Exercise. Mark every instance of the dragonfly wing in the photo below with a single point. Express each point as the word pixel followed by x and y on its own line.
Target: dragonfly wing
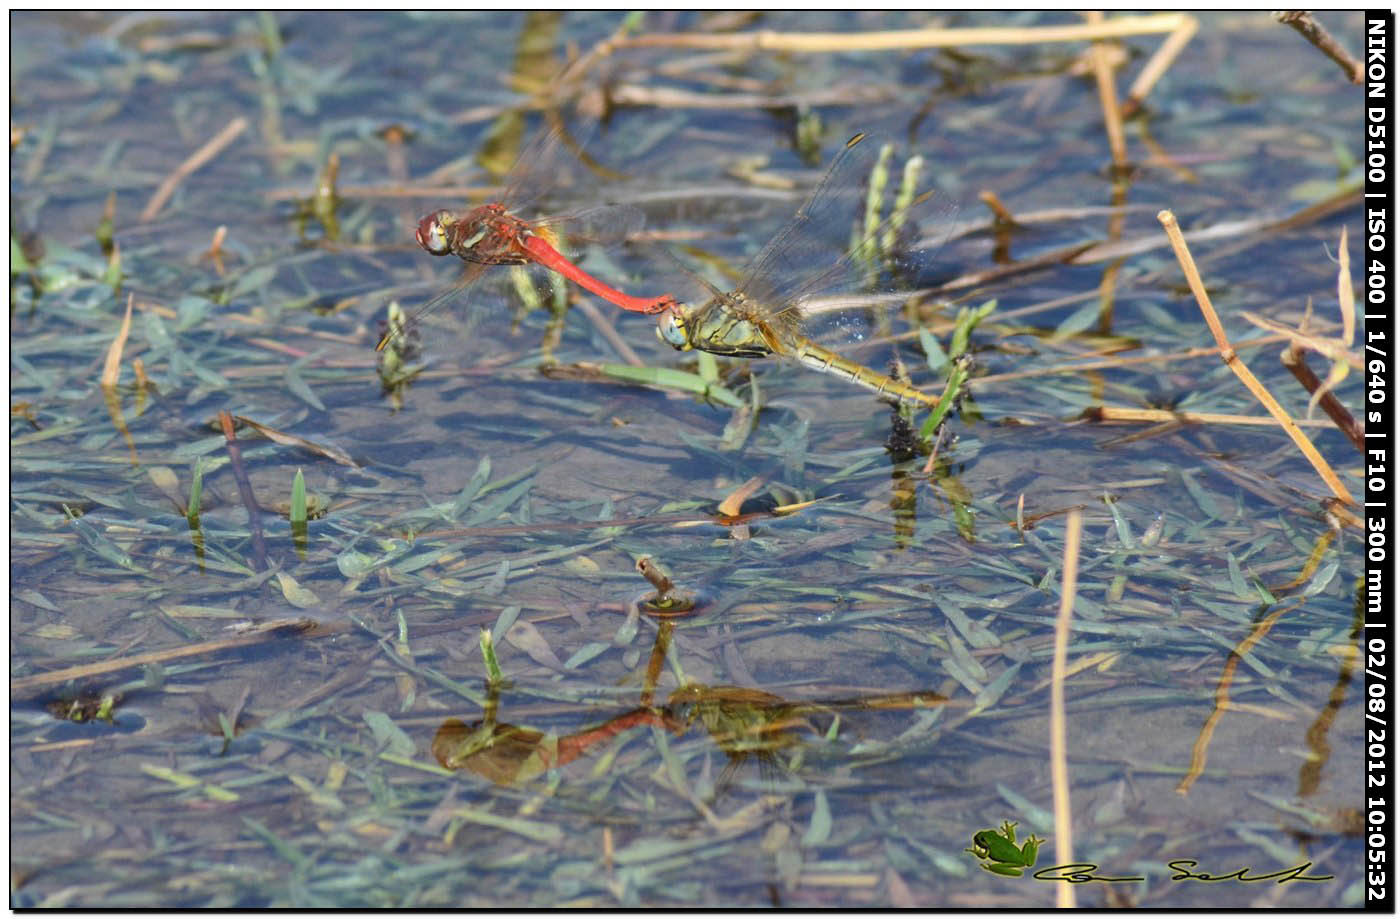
pixel 455 295
pixel 541 163
pixel 821 227
pixel 605 224
pixel 878 269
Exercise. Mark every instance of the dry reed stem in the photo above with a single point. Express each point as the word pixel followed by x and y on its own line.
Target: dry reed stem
pixel 1232 360
pixel 1157 65
pixel 902 39
pixel 1059 767
pixel 670 98
pixel 1346 294
pixel 112 369
pixel 994 204
pixel 1312 30
pixel 729 507
pixel 1108 101
pixel 204 154
pixel 1112 413
pixel 1331 348
pixel 282 628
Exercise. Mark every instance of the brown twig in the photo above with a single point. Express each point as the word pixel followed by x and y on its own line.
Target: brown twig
pixel 1232 360
pixel 204 154
pixel 1000 212
pixel 1312 30
pixel 1295 359
pixel 245 489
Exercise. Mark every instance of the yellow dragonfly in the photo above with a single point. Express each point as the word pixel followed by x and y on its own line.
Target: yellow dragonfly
pixel 765 314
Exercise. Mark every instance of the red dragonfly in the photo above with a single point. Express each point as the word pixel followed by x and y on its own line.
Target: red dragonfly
pixel 492 234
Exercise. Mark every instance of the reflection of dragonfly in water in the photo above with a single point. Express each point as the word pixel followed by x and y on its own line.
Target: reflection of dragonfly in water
pixel 492 233
pixel 746 724
pixel 764 314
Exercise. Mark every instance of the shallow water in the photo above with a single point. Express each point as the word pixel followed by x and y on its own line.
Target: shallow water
pixel 865 681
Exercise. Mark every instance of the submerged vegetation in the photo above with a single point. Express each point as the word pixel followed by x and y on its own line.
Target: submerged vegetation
pixel 299 623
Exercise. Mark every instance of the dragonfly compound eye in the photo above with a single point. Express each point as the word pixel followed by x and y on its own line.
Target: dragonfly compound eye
pixel 432 234
pixel 671 330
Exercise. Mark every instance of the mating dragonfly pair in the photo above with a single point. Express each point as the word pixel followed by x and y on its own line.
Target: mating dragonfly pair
pixel 765 315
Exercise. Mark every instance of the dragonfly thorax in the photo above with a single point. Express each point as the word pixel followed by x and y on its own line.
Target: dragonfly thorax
pixel 489 235
pixel 727 326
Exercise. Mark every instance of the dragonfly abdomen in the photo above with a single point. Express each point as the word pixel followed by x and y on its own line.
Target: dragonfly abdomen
pixel 824 360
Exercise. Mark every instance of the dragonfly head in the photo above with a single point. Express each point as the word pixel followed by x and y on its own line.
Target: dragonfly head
pixel 432 232
pixel 672 329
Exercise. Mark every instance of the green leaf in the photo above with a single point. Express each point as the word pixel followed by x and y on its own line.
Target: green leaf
pixel 585 654
pixel 933 352
pixel 387 735
pixel 196 489
pixel 670 378
pixel 819 829
pixel 298 512
pixel 488 654
pixel 503 622
pixel 472 488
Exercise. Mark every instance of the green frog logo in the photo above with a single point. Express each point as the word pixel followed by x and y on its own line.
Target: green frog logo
pixel 999 853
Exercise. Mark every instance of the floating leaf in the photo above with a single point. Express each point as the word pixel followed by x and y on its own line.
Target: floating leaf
pixel 36 598
pixel 994 690
pixel 388 736
pixel 819 829
pixel 585 654
pixel 546 833
pixel 504 621
pixel 496 584
pixel 296 595
pixel 354 564
pixel 472 488
pixel 1039 818
pixel 528 639
pixel 56 630
pixel 670 378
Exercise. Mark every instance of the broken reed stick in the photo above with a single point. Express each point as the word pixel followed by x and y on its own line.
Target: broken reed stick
pixel 1059 766
pixel 204 154
pixel 1108 100
pixel 1296 360
pixel 1139 415
pixel 904 39
pixel 1232 360
pixel 112 368
pixel 1312 30
pixel 268 631
pixel 1157 65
